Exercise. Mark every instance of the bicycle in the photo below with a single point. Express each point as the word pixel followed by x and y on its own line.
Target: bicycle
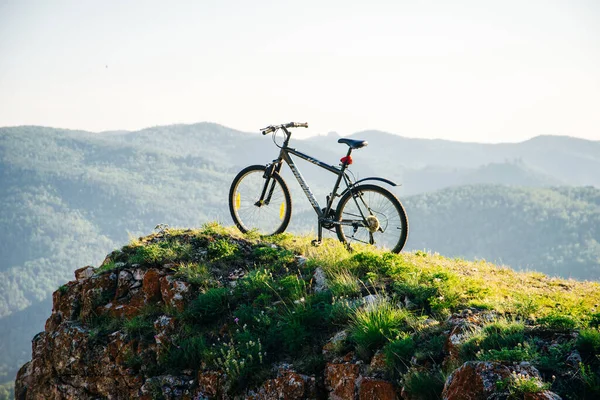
pixel 259 199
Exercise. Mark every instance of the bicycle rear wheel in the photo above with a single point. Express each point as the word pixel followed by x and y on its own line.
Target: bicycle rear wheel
pixel 372 215
pixel 269 216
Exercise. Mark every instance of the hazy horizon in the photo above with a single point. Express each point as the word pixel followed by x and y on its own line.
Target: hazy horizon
pixel 296 131
pixel 467 71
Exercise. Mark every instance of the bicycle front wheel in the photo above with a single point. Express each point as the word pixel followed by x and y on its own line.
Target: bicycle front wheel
pixel 372 215
pixel 268 215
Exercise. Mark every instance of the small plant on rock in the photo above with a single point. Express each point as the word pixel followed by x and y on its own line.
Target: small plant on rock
pixel 161 253
pixel 590 379
pixel 197 274
pixel 208 306
pixel 424 384
pixel 222 249
pixel 238 358
pixel 108 266
pixel 521 352
pixel 559 322
pixel 518 385
pixel 399 352
pixel 140 327
pixel 588 342
pixel 187 352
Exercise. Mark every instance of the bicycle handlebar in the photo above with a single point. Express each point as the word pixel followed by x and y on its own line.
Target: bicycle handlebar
pixel 273 128
pixel 297 125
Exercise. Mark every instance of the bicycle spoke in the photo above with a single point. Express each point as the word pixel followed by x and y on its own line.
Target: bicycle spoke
pixel 372 216
pixel 266 217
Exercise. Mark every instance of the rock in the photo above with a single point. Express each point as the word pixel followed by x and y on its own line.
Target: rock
pixel 477 379
pixel 151 286
pixel 66 305
pixel 332 348
pixel 370 299
pixel 209 384
pixel 543 395
pixel 320 280
pixel 288 385
pixel 463 323
pixel 174 292
pixel 371 388
pixel 66 364
pixel 378 366
pixel 138 274
pixel 574 359
pixel 301 261
pixel 96 292
pixel 124 283
pixel 340 380
pixel 409 304
pixel 84 273
pixel 171 387
pixel 165 328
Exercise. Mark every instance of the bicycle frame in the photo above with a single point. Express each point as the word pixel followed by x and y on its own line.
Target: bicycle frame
pixel 284 155
pixel 323 214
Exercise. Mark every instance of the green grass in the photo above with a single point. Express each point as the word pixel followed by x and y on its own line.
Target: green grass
pixel 375 324
pixel 195 273
pixel 108 266
pixel 424 384
pixel 520 352
pixel 222 249
pixel 344 283
pixel 141 326
pixel 588 342
pixel 155 254
pixel 590 379
pixel 518 385
pixel 208 306
pixel 186 353
pixel 399 352
pixel 272 302
pixel 559 322
pixel 496 339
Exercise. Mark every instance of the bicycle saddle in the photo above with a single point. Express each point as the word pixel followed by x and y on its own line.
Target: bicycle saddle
pixel 354 144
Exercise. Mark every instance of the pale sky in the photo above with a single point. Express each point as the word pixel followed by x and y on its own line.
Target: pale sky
pixel 485 71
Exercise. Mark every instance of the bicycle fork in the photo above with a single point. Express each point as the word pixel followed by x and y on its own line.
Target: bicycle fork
pixel 274 167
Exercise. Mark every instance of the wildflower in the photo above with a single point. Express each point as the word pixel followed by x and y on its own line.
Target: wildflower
pixel 236 320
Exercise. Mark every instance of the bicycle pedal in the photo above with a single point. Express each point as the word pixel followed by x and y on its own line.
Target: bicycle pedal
pixel 316 243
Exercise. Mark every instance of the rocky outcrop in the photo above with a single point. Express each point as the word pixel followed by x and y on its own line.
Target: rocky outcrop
pixel 113 329
pixel 478 380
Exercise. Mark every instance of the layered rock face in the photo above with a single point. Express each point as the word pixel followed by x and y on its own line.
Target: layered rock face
pixel 123 331
pixel 69 361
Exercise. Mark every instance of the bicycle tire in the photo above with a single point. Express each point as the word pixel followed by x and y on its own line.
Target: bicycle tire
pixel 267 219
pixel 385 207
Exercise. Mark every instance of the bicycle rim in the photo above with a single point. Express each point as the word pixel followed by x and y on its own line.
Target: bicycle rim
pixel 265 218
pixel 384 212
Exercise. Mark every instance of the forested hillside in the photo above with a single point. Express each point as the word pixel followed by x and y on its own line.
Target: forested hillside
pixel 554 230
pixel 558 160
pixel 69 197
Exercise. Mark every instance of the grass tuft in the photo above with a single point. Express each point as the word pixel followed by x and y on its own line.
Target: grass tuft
pixel 377 323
